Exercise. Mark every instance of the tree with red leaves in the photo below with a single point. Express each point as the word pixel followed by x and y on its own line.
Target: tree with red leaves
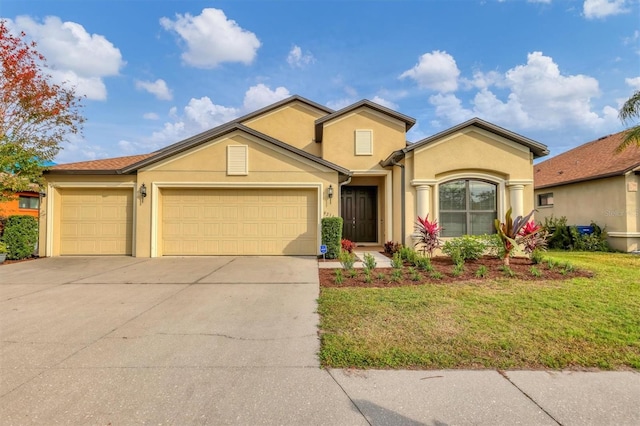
pixel 37 115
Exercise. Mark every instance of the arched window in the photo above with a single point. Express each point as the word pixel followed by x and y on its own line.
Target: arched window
pixel 467 207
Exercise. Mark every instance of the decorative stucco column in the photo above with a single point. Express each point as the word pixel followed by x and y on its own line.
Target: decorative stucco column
pixel 423 196
pixel 516 197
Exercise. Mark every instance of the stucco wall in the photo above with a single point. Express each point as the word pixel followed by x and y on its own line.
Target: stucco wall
pixel 292 124
pixel 608 202
pixel 338 142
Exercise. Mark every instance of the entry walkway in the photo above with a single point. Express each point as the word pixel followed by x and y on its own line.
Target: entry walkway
pixel 382 261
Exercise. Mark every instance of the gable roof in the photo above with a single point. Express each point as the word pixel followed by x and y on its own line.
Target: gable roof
pixel 409 121
pixel 593 160
pixel 251 115
pixel 131 164
pixel 538 149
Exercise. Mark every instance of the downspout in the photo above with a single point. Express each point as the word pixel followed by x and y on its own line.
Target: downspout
pixel 402 198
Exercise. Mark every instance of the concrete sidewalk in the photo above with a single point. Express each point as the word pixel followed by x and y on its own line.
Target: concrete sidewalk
pixel 227 340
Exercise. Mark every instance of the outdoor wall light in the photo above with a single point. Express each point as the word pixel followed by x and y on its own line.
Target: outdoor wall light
pixel 42 194
pixel 330 191
pixel 143 190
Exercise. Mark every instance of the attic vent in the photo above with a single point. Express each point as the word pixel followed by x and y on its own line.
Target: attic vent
pixel 364 142
pixel 237 160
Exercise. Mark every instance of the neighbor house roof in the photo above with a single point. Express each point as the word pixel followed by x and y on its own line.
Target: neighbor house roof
pixel 408 121
pixel 106 165
pixel 594 160
pixel 125 165
pixel 538 149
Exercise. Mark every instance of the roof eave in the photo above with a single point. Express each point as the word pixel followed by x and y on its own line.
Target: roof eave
pixel 83 172
pixel 409 121
pixel 583 179
pixel 537 149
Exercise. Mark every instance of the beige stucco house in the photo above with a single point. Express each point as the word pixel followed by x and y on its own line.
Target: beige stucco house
pixel 261 184
pixel 593 183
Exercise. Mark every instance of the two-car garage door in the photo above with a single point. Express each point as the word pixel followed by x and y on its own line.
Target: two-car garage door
pixel 226 221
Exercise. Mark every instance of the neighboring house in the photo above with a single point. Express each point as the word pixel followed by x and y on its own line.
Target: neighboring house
pixel 593 183
pixel 261 184
pixel 24 203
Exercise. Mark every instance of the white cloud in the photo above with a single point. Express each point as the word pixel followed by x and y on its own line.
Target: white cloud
pixel 212 39
pixel 203 114
pixel 483 80
pixel 539 97
pixel 384 102
pixel 338 104
pixel 436 71
pixel 633 82
pixel 297 59
pixel 260 96
pixel 449 106
pixel 150 116
pixel 157 88
pixel 74 55
pixel 594 9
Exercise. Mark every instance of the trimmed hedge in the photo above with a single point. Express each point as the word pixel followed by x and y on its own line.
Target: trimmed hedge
pixel 332 235
pixel 21 235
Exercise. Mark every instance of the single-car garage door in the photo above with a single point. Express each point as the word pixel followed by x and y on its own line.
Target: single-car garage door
pixel 239 221
pixel 96 221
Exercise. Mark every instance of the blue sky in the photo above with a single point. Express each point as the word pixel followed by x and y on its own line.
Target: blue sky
pixel 155 72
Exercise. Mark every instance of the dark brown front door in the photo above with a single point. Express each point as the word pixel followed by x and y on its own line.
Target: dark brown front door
pixel 359 212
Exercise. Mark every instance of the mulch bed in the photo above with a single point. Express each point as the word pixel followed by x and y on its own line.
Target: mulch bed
pixel 382 277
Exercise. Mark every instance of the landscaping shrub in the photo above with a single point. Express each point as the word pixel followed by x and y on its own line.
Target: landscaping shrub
pixel 331 235
pixel 467 247
pixel 566 237
pixel 347 245
pixel 347 259
pixel 391 247
pixel 369 262
pixel 21 235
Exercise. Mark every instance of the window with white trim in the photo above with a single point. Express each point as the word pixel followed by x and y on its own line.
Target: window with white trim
pixel 467 207
pixel 237 160
pixel 364 142
pixel 545 199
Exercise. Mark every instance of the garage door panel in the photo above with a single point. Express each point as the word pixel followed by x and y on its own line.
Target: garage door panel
pixel 239 221
pixel 96 221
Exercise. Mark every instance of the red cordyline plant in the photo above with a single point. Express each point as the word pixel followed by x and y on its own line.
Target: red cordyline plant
pixel 532 237
pixel 427 234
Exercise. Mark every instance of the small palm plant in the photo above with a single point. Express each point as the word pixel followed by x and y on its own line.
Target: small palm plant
pixel 428 235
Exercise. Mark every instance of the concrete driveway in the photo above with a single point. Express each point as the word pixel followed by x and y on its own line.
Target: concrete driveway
pixel 226 340
pixel 119 340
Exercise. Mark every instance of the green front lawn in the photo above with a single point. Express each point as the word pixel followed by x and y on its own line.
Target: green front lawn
pixel 509 324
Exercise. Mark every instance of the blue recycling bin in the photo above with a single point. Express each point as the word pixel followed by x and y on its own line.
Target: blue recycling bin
pixel 585 230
